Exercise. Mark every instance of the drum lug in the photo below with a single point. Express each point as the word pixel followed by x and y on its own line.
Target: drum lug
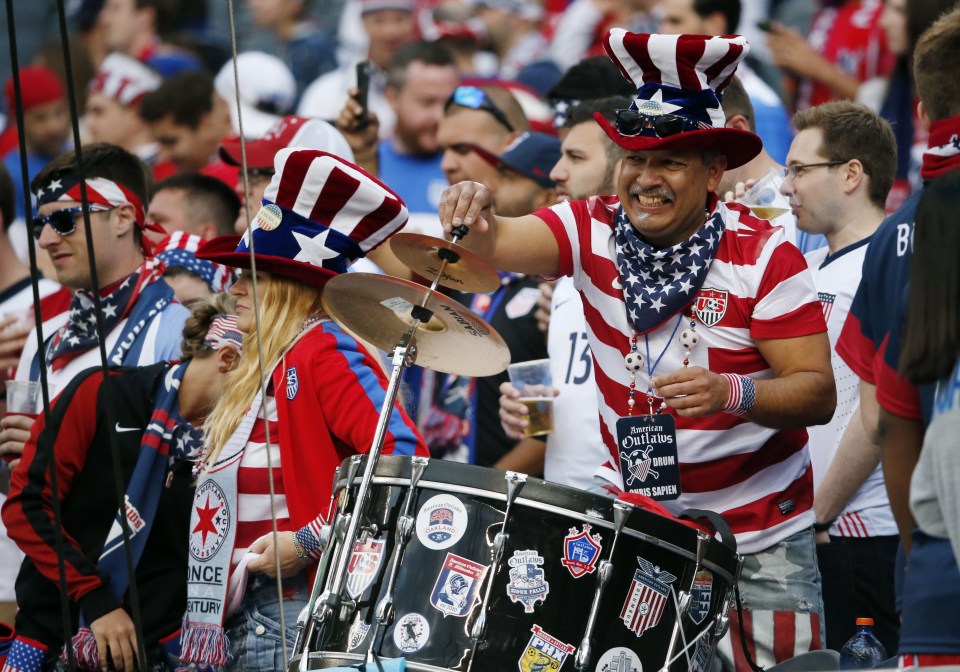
pixel 683 603
pixel 582 659
pixel 347 607
pixel 723 623
pixel 479 627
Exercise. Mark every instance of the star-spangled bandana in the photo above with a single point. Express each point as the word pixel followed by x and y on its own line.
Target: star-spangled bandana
pixel 79 334
pixel 658 284
pixel 943 153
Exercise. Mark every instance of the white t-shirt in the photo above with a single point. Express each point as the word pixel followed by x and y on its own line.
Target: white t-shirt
pixel 837 277
pixel 574 449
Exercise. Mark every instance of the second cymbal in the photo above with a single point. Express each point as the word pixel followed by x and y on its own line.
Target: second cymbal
pixel 468 272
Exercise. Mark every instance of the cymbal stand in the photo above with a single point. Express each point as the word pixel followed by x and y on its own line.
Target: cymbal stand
pixel 334 598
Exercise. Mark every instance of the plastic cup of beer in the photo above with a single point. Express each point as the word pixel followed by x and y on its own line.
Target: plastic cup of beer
pixel 762 197
pixel 532 379
pixel 24 397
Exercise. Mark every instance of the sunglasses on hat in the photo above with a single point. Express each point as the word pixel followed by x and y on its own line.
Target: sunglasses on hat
pixel 64 222
pixel 631 122
pixel 477 99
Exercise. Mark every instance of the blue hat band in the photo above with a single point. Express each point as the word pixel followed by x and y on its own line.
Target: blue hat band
pixel 654 99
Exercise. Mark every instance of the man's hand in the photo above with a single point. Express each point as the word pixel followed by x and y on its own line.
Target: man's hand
pixel 544 307
pixel 514 416
pixel 739 189
pixel 790 50
pixel 466 203
pixel 362 137
pixel 115 631
pixel 14 432
pixel 693 391
pixel 290 563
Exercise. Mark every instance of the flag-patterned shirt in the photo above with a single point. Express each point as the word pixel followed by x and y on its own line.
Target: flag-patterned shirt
pixel 759 478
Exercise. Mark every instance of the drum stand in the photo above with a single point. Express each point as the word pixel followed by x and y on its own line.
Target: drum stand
pixel 334 602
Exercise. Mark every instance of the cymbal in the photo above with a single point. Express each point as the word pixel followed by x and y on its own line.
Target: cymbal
pixel 421 254
pixel 377 308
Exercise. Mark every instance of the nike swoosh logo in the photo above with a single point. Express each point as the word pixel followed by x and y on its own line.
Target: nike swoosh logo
pixel 127 429
pixel 565 301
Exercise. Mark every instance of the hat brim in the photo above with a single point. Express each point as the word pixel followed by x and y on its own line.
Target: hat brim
pixel 260 153
pixel 740 147
pixel 223 250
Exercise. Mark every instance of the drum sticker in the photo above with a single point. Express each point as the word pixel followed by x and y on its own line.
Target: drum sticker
pixel 411 633
pixel 364 564
pixel 458 586
pixel 581 550
pixel 543 652
pixel 700 595
pixel 358 633
pixel 527 583
pixel 701 655
pixel 441 522
pixel 711 305
pixel 648 455
pixel 647 597
pixel 619 659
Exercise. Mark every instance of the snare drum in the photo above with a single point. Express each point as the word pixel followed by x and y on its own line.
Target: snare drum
pixel 665 590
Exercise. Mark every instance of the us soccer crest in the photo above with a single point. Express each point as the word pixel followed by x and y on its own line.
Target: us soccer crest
pixel 647 597
pixel 457 586
pixel 711 305
pixel 528 584
pixel 293 383
pixel 581 550
pixel 543 652
pixel 700 595
pixel 364 563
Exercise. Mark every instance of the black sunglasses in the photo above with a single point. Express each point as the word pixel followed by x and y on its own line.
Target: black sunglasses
pixel 631 122
pixel 64 222
pixel 477 99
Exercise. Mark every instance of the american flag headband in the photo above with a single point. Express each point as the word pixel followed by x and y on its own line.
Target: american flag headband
pixel 224 332
pixel 100 191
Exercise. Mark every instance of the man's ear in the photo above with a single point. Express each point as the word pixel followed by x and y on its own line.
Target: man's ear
pixel 739 122
pixel 227 359
pixel 125 221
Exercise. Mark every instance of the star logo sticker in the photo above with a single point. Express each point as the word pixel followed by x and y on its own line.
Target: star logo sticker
pixel 314 250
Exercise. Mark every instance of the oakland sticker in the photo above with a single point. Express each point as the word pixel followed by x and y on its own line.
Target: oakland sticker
pixel 441 522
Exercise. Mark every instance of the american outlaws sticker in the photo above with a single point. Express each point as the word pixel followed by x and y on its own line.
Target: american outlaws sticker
pixel 647 597
pixel 457 586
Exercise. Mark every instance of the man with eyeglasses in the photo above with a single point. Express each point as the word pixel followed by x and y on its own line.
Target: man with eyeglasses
pixel 840 168
pixel 704 325
pixel 142 319
pixel 484 116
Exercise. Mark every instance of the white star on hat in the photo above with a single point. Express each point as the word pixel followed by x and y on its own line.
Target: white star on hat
pixel 314 250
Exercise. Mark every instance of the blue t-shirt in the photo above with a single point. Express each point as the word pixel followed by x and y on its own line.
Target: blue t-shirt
pixel 418 180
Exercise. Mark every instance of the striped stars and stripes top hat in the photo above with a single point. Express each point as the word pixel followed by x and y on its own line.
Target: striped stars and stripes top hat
pixel 320 214
pixel 680 81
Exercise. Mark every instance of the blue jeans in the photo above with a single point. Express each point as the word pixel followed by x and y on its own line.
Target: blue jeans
pixel 254 631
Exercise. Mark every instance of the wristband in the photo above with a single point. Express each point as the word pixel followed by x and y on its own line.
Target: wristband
pixel 823 527
pixel 309 542
pixel 743 394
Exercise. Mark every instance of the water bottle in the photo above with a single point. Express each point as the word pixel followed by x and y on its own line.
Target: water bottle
pixel 863 651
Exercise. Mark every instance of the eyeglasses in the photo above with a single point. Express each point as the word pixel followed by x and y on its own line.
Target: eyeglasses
pixel 64 222
pixel 631 122
pixel 795 170
pixel 477 99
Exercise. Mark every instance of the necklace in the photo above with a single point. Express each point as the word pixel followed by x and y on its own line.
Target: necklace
pixel 633 360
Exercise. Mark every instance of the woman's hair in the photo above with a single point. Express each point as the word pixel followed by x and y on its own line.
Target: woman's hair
pixel 285 306
pixel 932 332
pixel 198 324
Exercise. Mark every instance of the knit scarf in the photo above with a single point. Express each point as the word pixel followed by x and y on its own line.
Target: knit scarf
pixel 135 298
pixel 659 283
pixel 943 153
pixel 168 438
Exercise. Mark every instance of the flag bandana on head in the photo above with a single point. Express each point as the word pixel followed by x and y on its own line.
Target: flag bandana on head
pixel 658 284
pixel 102 192
pixel 180 249
pixel 224 332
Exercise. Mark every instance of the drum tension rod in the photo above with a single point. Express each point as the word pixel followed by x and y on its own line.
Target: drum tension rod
pixel 621 512
pixel 384 612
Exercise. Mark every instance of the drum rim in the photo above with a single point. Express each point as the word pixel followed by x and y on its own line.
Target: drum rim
pixel 360 657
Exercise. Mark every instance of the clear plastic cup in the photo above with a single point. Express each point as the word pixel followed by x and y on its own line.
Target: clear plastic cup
pixel 533 380
pixel 762 198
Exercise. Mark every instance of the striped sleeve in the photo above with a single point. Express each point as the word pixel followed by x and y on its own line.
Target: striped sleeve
pixel 786 302
pixel 28 512
pixel 353 393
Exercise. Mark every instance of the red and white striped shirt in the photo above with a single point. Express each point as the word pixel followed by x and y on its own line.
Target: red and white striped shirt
pixel 758 478
pixel 253 486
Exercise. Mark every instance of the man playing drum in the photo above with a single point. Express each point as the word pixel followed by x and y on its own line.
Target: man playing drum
pixel 708 340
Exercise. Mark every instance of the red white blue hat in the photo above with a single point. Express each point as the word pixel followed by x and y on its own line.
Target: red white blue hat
pixel 680 81
pixel 320 214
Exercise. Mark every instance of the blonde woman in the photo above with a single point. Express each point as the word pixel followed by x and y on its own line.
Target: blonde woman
pixel 157 413
pixel 323 398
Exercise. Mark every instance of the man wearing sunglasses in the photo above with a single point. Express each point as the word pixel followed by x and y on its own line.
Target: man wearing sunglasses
pixel 141 317
pixel 704 325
